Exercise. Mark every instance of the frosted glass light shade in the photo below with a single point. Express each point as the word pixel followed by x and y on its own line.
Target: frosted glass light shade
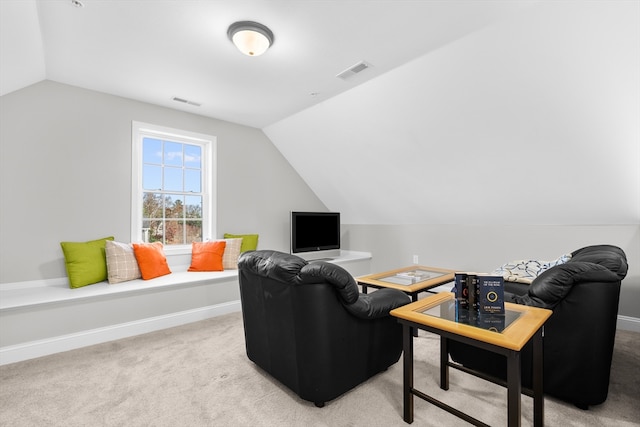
pixel 251 38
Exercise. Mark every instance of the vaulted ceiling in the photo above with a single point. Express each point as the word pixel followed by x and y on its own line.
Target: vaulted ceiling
pixel 531 106
pixel 154 51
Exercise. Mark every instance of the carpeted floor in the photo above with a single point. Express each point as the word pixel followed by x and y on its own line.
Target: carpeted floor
pixel 199 375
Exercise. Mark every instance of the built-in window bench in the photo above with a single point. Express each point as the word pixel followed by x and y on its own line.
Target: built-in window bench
pixel 30 294
pixel 44 317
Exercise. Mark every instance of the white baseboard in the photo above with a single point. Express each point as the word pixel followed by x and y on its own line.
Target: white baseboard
pixel 627 323
pixel 33 349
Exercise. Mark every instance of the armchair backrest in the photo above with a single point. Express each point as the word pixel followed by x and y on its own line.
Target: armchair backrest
pixel 294 271
pixel 591 264
pixel 611 257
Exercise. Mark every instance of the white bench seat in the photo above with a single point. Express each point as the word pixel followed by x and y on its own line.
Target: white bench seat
pixel 42 317
pixel 27 294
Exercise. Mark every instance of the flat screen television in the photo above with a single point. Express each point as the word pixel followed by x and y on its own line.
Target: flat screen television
pixel 315 234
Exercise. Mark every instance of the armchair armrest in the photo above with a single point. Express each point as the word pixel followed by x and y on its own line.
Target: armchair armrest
pixel 377 304
pixel 548 289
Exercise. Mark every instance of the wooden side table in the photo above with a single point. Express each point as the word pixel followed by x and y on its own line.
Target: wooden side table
pixel 440 315
pixel 410 280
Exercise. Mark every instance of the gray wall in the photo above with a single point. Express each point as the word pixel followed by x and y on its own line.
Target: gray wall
pixel 65 175
pixel 484 247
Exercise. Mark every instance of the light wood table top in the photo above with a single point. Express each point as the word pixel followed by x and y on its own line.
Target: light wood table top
pixel 514 336
pixel 412 279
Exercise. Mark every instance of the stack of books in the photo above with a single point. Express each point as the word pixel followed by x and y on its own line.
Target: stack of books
pixel 479 292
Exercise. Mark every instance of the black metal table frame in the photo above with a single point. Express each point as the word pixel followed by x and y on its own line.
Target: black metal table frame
pixel 513 383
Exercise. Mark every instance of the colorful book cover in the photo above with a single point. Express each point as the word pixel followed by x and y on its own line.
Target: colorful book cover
pixel 491 294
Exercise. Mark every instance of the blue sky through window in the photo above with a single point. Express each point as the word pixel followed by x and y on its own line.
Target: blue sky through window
pixel 171 166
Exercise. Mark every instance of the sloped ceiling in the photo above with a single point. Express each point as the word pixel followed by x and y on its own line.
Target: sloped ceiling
pixel 21 50
pixel 472 112
pixel 535 120
pixel 155 50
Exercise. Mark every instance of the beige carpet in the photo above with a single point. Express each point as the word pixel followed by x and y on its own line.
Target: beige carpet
pixel 199 375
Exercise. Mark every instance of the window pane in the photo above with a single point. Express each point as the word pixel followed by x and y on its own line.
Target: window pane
pixel 174 233
pixel 174 206
pixel 192 180
pixel 172 154
pixel 152 205
pixel 151 150
pixel 192 155
pixel 173 179
pixel 193 207
pixel 151 177
pixel 194 231
pixel 155 231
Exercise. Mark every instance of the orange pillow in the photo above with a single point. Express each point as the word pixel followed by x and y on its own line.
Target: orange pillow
pixel 151 260
pixel 207 256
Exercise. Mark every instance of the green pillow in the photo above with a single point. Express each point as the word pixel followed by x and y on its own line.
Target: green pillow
pixel 86 262
pixel 249 241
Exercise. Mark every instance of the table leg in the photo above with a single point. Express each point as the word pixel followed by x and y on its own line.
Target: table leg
pixel 538 389
pixel 514 388
pixel 444 363
pixel 414 298
pixel 407 343
pixel 364 288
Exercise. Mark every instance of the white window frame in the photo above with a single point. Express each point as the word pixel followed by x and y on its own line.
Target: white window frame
pixel 139 131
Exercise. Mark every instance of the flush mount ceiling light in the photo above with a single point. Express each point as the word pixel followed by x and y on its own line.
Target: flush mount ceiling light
pixel 251 38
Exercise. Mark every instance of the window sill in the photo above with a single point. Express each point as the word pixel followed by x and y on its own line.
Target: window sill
pixel 177 250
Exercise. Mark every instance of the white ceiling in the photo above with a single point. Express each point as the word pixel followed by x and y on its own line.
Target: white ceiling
pixel 153 51
pixel 483 112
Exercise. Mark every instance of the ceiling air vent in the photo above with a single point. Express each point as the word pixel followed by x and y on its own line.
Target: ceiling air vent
pixel 354 69
pixel 186 101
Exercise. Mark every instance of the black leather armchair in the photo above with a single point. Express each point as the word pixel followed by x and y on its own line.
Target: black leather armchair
pixel 578 337
pixel 308 326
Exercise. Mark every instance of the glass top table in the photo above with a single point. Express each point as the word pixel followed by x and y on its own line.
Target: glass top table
pixel 503 334
pixel 411 280
pixel 450 309
pixel 440 312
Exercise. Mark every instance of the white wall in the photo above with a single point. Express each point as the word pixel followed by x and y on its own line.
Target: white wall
pixel 65 171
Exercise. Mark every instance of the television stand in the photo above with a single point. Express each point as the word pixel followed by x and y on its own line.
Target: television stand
pixel 320 259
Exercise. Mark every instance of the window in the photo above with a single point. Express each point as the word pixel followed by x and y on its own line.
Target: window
pixel 173 188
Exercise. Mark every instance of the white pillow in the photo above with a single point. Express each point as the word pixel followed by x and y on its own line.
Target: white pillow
pixel 525 270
